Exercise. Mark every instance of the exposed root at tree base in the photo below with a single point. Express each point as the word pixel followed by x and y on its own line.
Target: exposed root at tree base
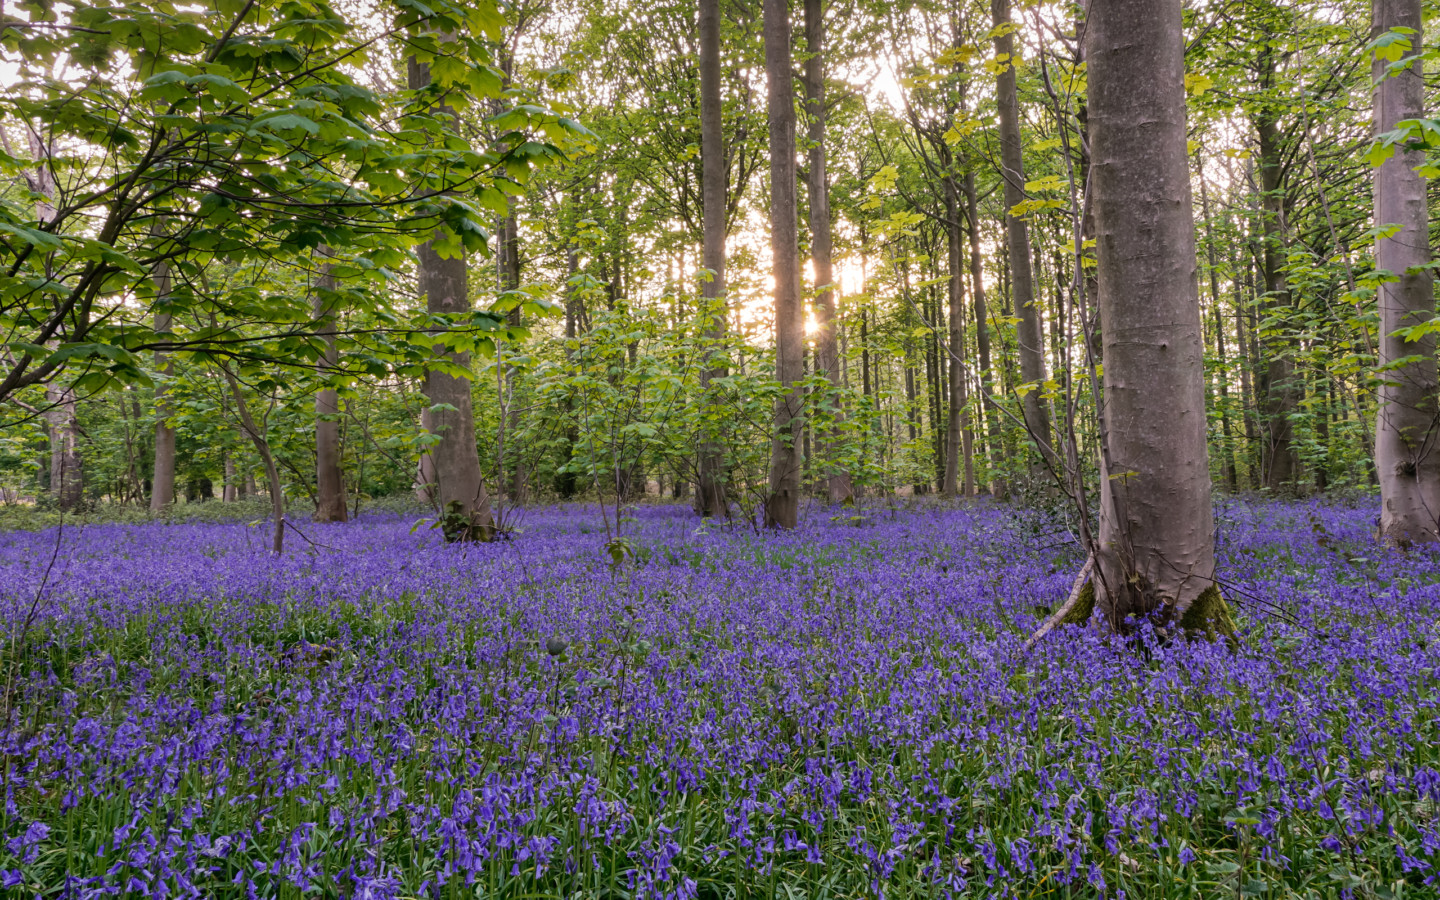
pixel 1208 617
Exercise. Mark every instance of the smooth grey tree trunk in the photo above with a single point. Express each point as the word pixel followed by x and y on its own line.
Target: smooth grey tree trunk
pixel 710 496
pixel 459 489
pixel 330 500
pixel 1157 530
pixel 1028 335
pixel 1222 375
pixel 259 437
pixel 162 475
pixel 67 480
pixel 509 260
pixel 838 488
pixel 230 492
pixel 162 479
pixel 425 466
pixel 1280 393
pixel 956 422
pixel 782 506
pixel 1408 422
pixel 982 335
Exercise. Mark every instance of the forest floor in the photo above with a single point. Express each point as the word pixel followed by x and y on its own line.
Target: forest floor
pixel 841 711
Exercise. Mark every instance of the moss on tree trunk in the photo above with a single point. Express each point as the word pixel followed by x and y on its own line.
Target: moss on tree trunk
pixel 1208 616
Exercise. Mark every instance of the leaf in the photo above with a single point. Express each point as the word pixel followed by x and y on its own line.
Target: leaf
pixel 40 240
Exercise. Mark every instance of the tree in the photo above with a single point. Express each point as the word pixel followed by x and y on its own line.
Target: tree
pixel 444 283
pixel 827 348
pixel 1028 335
pixel 1408 421
pixel 710 498
pixel 249 135
pixel 162 480
pixel 330 505
pixel 782 506
pixel 1155 552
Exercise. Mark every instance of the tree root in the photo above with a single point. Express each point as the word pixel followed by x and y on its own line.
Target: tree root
pixel 1075 610
pixel 1208 616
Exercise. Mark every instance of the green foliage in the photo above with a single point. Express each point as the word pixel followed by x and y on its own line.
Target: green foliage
pixel 192 167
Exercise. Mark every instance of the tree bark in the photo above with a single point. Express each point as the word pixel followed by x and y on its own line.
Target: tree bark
pixel 1222 374
pixel 459 489
pixel 162 480
pixel 261 441
pixel 1406 456
pixel 988 415
pixel 1279 391
pixel 1017 235
pixel 956 423
pixel 67 481
pixel 230 493
pixel 1156 541
pixel 838 487
pixel 330 500
pixel 782 506
pixel 510 281
pixel 710 497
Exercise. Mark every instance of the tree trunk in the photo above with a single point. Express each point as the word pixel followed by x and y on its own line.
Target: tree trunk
pixel 262 446
pixel 1406 455
pixel 231 490
pixel 510 281
pixel 162 481
pixel 934 378
pixel 827 351
pixel 1222 374
pixel 1157 530
pixel 330 500
pixel 1017 235
pixel 782 506
pixel 1279 391
pixel 989 415
pixel 460 491
pixel 67 481
pixel 955 427
pixel 710 498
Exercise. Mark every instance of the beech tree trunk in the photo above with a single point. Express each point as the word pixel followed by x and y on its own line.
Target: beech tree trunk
pixel 955 320
pixel 782 506
pixel 459 489
pixel 230 492
pixel 1017 234
pixel 1279 390
pixel 988 414
pixel 1157 531
pixel 330 500
pixel 1406 456
pixel 162 476
pixel 838 487
pixel 67 481
pixel 1222 374
pixel 259 437
pixel 162 480
pixel 710 497
pixel 509 281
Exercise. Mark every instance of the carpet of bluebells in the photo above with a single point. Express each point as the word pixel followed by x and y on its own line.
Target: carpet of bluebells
pixel 842 711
